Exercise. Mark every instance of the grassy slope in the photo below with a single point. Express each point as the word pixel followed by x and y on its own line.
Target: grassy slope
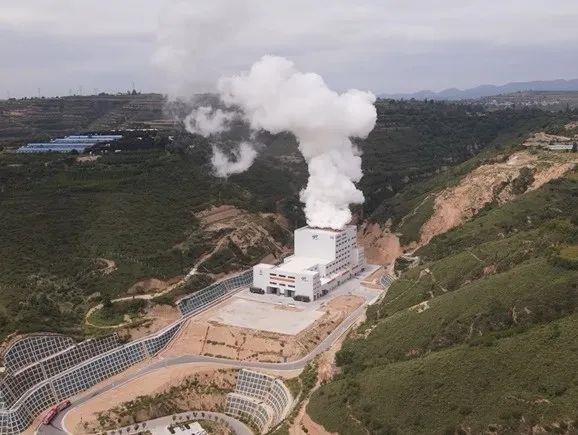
pixel 464 315
pixel 489 344
pixel 462 386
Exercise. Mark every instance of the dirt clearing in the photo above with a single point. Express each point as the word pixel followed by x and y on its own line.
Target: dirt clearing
pixel 203 336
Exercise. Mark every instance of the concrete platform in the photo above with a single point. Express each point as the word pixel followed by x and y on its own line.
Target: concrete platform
pixel 265 316
pixel 284 315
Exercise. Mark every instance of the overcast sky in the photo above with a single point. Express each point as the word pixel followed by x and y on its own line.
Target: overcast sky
pixel 184 46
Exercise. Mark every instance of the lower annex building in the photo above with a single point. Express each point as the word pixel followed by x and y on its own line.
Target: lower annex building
pixel 323 259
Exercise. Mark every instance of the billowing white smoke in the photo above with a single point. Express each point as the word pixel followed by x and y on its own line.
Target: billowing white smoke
pixel 276 97
pixel 206 121
pixel 194 39
pixel 198 40
pixel 244 157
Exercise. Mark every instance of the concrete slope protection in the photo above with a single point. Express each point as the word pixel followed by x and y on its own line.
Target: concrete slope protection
pixel 324 345
pixel 47 388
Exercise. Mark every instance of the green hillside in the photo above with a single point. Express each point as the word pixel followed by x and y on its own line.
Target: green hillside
pixel 60 218
pixel 481 336
pixel 417 147
pixel 508 387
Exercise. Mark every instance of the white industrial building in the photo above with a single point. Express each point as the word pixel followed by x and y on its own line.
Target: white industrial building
pixel 323 259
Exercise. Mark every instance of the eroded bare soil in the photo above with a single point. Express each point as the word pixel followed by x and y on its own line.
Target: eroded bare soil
pixel 493 182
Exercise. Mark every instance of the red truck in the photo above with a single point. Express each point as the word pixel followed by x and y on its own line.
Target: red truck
pixel 53 412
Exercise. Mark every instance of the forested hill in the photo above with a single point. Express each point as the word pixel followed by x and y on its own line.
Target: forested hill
pixel 41 119
pixel 64 218
pixel 413 140
pixel 480 337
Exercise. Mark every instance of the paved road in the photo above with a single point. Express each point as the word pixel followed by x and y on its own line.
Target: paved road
pixel 328 342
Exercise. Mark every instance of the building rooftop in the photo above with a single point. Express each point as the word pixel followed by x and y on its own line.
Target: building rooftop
pixel 66 144
pixel 322 230
pixel 299 264
pixel 267 266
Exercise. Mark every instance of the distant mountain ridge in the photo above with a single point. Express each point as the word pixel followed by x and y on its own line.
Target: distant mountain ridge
pixel 489 90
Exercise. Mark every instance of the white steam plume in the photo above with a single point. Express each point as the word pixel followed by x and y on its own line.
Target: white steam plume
pixel 276 97
pixel 194 39
pixel 206 121
pixel 244 156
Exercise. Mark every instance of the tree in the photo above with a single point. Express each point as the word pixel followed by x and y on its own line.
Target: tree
pixel 106 302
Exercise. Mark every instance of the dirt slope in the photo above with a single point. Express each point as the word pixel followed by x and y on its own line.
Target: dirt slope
pixel 380 245
pixel 243 229
pixel 501 182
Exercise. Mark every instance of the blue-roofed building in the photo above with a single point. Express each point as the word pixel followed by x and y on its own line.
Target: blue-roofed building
pixel 68 144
